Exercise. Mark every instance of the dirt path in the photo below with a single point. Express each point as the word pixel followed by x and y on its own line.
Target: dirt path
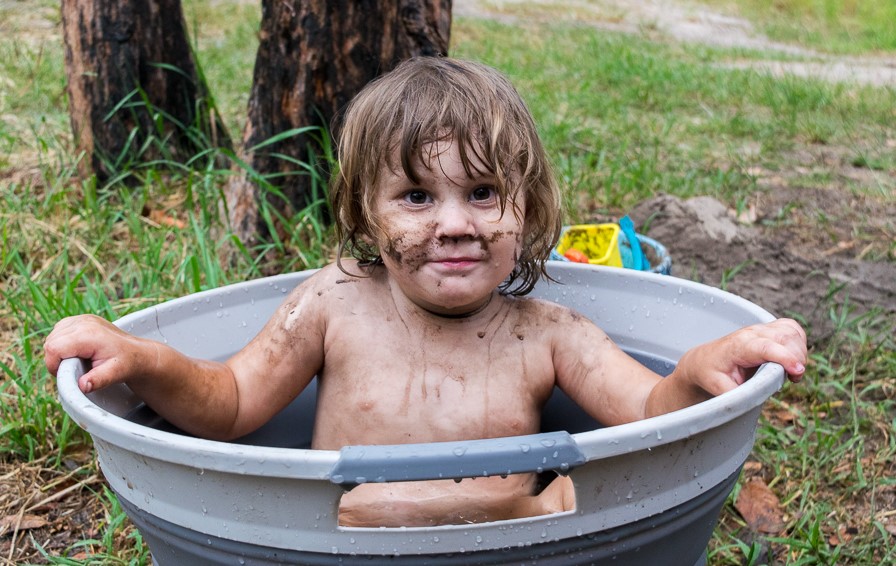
pixel 776 254
pixel 688 22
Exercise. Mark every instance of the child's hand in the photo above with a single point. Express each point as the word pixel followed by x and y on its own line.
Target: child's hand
pixel 723 364
pixel 114 354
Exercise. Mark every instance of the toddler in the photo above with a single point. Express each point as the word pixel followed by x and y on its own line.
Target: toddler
pixel 446 203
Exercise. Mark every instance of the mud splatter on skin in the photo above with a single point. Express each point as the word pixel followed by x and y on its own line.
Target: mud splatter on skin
pixel 416 255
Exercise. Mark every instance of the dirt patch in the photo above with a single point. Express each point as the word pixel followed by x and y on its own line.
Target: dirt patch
pixel 776 268
pixel 50 507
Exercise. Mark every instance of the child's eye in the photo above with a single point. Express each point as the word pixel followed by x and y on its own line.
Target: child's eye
pixel 483 193
pixel 416 197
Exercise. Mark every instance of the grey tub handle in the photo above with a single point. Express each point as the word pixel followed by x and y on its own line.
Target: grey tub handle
pixel 554 451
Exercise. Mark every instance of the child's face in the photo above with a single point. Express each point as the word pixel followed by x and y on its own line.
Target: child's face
pixel 445 241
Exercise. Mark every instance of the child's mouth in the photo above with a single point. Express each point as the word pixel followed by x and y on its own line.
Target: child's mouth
pixel 457 262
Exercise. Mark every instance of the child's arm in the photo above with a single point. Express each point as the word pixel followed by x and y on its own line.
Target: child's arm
pixel 614 388
pixel 713 368
pixel 209 399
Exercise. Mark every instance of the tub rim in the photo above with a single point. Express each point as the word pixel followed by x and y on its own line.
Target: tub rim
pixel 300 463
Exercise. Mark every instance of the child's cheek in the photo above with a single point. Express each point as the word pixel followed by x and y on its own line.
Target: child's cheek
pixel 410 249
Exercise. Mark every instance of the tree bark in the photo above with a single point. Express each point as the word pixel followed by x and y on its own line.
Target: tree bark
pixel 313 57
pixel 132 79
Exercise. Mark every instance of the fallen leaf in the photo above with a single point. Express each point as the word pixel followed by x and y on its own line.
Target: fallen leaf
pixel 752 467
pixel 785 416
pixel 160 217
pixel 760 507
pixel 843 535
pixel 25 522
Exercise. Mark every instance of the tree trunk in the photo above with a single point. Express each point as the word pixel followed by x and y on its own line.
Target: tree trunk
pixel 313 57
pixel 131 72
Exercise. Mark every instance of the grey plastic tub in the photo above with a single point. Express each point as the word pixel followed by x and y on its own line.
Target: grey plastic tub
pixel 646 493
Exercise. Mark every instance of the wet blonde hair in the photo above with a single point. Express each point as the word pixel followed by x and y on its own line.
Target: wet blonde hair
pixel 430 99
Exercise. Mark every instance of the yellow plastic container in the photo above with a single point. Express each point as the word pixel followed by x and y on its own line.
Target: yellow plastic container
pixel 599 242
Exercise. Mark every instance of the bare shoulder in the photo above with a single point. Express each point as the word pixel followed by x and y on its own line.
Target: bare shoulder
pixel 328 291
pixel 550 315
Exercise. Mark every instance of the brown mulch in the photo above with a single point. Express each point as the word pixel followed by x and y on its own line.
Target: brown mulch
pixel 46 506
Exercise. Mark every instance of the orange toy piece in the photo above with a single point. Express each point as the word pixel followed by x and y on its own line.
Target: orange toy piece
pixel 572 254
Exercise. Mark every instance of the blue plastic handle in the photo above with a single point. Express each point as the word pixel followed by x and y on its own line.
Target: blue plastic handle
pixel 638 260
pixel 553 451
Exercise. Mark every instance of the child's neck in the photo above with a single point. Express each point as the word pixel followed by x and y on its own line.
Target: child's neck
pixel 404 303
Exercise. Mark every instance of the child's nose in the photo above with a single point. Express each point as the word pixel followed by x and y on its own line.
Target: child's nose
pixel 454 221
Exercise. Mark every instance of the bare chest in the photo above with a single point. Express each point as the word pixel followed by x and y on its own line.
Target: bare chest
pixel 398 383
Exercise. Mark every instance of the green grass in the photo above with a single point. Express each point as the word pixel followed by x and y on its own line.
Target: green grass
pixel 625 118
pixel 622 117
pixel 834 26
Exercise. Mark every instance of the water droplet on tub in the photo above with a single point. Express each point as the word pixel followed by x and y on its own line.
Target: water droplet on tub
pixel 478 539
pixel 548 442
pixel 524 448
pixel 630 495
pixel 659 435
pixel 459 451
pixel 435 539
pixel 337 478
